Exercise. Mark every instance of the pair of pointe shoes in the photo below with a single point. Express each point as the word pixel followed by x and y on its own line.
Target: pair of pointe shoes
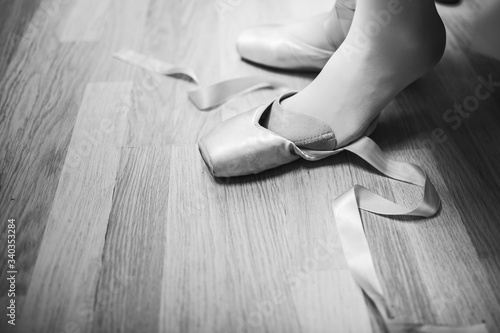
pixel 243 145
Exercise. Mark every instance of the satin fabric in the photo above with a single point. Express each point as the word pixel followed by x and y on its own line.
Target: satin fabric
pixel 206 97
pixel 242 146
pixel 271 46
pixel 237 149
pixel 153 65
pixel 353 239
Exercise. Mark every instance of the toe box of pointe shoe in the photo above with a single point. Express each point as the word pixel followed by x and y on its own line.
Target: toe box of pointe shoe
pixel 239 147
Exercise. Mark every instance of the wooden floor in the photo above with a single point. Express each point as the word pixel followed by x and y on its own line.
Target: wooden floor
pixel 121 228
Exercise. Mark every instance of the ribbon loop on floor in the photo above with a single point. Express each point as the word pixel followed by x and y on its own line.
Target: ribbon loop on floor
pixel 353 238
pixel 153 65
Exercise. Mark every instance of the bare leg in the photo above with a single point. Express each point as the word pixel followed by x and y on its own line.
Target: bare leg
pixel 390 44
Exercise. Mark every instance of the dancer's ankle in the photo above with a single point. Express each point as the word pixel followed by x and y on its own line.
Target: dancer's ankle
pixel 360 80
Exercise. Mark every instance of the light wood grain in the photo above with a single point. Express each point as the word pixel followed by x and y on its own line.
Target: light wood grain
pixel 61 294
pixel 15 19
pixel 39 101
pixel 137 236
pixel 83 21
pixel 250 250
pixel 132 261
pixel 161 108
pixel 108 26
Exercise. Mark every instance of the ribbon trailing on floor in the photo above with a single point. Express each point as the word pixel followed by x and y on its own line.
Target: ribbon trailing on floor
pixel 204 98
pixel 353 238
pixel 219 93
pixel 348 204
pixel 153 65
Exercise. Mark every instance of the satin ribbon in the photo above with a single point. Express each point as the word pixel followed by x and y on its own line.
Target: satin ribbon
pixel 153 65
pixel 203 98
pixel 348 204
pixel 353 238
pixel 219 93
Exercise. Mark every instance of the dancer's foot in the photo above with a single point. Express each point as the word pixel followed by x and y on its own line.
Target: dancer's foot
pixel 307 44
pixel 380 56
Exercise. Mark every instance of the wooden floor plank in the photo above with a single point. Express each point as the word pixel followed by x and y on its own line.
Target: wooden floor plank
pixel 272 239
pixel 37 122
pixel 84 21
pixel 16 28
pixel 492 269
pixel 127 296
pixel 447 259
pixel 161 109
pixel 430 268
pixel 41 92
pixel 62 288
pixel 335 291
pixel 112 25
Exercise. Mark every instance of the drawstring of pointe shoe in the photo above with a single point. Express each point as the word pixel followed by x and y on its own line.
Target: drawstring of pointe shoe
pixel 347 205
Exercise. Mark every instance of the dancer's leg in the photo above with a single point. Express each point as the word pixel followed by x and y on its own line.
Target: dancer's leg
pixel 390 44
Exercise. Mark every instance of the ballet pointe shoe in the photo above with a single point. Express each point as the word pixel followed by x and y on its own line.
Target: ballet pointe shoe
pixel 270 46
pixel 243 146
pixel 273 46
